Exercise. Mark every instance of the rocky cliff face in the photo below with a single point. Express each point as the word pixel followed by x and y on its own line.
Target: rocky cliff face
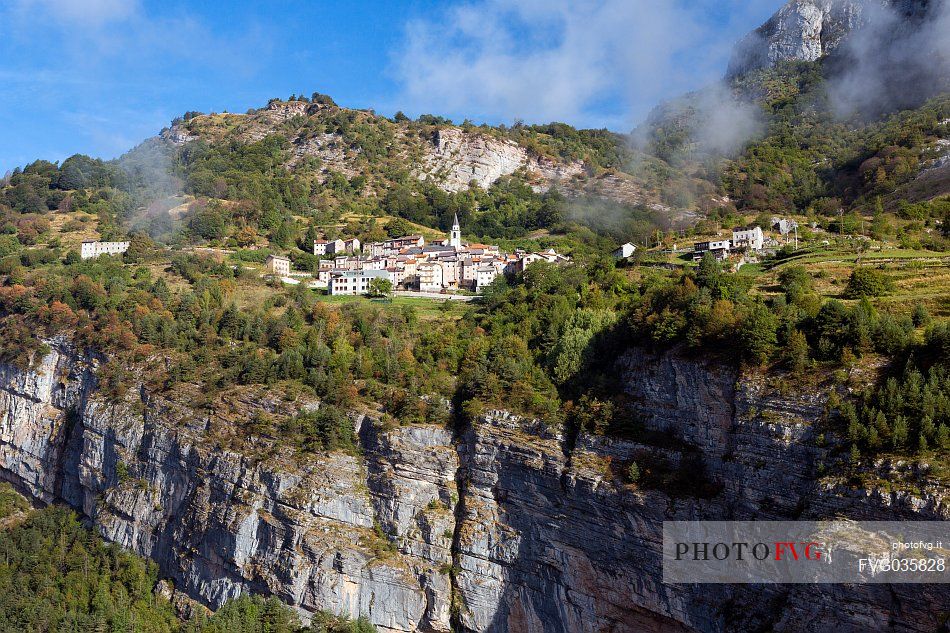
pixel 509 526
pixel 360 535
pixel 553 539
pixel 807 30
pixel 456 159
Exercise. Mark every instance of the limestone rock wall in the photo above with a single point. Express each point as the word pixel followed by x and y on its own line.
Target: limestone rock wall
pixel 350 534
pixel 806 30
pixel 509 526
pixel 457 158
pixel 552 537
pixel 802 30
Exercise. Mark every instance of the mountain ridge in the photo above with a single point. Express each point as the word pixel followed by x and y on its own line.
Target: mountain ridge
pixel 451 157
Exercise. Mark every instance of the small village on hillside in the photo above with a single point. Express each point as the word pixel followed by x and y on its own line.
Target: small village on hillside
pixel 409 263
pixel 402 264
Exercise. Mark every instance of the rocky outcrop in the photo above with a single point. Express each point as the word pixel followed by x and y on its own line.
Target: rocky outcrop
pixel 553 538
pixel 802 30
pixel 806 30
pixel 450 157
pixel 457 158
pixel 511 526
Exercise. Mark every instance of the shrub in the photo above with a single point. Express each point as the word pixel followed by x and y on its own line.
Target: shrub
pixel 869 282
pixel 920 316
pixel 633 473
pixel 326 429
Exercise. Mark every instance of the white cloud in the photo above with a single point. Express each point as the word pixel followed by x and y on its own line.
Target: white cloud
pixel 567 60
pixel 83 12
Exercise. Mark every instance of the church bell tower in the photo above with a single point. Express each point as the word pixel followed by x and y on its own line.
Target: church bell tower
pixel 455 235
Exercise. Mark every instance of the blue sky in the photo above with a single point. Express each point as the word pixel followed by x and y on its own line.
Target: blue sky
pixel 98 76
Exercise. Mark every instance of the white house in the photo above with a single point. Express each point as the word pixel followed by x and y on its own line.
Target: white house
pixel 624 251
pixel 278 265
pixel 484 275
pixel 354 282
pixel 376 263
pixel 553 257
pixel 430 277
pixel 719 248
pixel 90 250
pixel 751 238
pixel 351 245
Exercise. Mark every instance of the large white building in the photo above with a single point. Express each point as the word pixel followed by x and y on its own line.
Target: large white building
pixel 354 282
pixel 91 250
pixel 278 265
pixel 431 277
pixel 753 239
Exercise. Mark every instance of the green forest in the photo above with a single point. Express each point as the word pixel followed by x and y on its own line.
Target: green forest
pixel 57 576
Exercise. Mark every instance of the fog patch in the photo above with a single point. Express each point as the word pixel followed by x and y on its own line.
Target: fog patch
pixel 897 58
pixel 620 222
pixel 155 187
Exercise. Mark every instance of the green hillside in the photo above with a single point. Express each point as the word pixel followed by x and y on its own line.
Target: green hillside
pixel 863 288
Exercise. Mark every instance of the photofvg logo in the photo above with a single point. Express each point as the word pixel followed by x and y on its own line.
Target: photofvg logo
pixel 806 551
pixel 742 549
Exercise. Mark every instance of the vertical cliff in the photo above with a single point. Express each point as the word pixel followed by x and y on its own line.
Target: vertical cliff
pixel 807 30
pixel 507 526
pixel 359 534
pixel 556 540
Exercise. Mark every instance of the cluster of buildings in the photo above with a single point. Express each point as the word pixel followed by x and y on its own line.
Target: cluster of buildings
pixel 743 239
pixel 409 263
pixel 91 249
pixel 335 247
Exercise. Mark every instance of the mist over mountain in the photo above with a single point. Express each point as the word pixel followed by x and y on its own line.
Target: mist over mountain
pixel 878 55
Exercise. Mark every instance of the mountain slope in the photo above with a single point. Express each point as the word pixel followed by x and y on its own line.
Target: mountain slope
pixel 325 139
pixel 829 104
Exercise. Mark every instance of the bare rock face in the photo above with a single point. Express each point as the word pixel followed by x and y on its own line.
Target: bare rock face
pixel 807 30
pixel 349 534
pixel 36 414
pixel 553 538
pixel 802 30
pixel 511 526
pixel 458 158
